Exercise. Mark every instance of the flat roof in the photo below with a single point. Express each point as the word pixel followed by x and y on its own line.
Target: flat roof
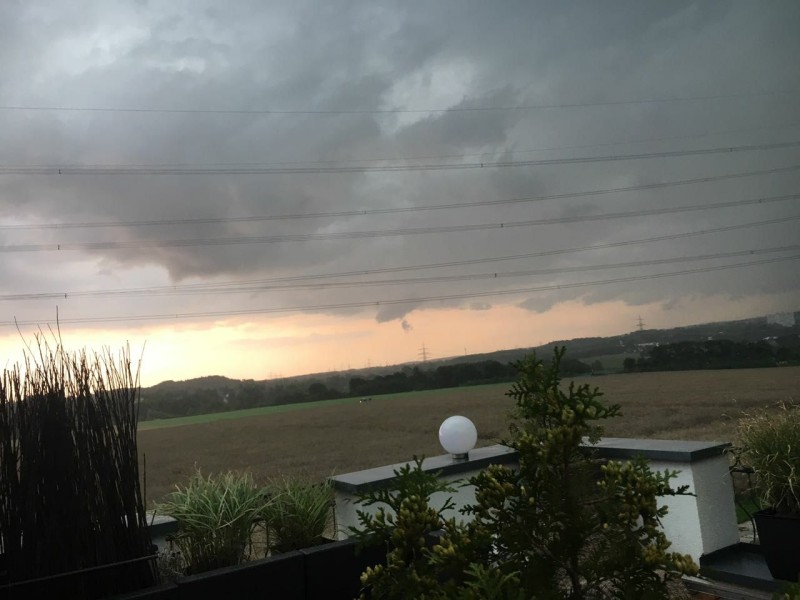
pixel 480 458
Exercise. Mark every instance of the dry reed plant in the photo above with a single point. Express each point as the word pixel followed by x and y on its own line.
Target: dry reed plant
pixel 69 476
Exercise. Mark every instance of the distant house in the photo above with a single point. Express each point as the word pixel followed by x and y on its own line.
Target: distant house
pixel 786 319
pixel 643 347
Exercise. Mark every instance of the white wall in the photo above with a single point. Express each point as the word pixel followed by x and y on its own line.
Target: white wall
pixel 695 525
pixel 700 524
pixel 346 507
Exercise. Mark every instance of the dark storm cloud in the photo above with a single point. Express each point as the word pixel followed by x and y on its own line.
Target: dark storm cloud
pixel 375 56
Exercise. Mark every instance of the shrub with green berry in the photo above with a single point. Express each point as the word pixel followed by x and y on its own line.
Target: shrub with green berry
pixel 562 525
pixel 404 521
pixel 565 524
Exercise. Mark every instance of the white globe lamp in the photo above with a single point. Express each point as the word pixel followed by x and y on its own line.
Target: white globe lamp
pixel 458 436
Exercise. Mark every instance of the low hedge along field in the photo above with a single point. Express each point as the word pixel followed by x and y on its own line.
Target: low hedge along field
pixel 326 438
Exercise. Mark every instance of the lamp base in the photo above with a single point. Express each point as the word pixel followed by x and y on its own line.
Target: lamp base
pixel 463 457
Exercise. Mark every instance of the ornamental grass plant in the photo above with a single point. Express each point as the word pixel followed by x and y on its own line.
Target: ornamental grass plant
pixel 769 443
pixel 216 516
pixel 299 514
pixel 70 497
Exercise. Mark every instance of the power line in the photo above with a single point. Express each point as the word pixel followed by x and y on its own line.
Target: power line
pixel 515 151
pixel 392 210
pixel 386 111
pixel 81 170
pixel 378 303
pixel 307 237
pixel 249 288
pixel 456 263
pixel 363 272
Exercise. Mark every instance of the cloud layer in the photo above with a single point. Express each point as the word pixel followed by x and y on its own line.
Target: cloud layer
pixel 388 84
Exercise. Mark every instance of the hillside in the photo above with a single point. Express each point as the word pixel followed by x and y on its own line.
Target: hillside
pixel 217 393
pixel 750 330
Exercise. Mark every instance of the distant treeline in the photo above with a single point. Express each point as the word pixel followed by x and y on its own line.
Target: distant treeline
pixel 719 354
pixel 219 394
pixel 446 376
pixel 174 399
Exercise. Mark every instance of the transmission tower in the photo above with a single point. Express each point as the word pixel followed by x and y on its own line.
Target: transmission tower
pixel 640 324
pixel 423 353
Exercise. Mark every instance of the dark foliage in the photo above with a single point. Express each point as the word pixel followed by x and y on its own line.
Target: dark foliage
pixel 217 394
pixel 69 490
pixel 447 376
pixel 718 354
pixel 563 525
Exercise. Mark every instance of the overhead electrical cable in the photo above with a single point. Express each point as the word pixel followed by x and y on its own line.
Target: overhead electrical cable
pixel 391 302
pixel 400 209
pixel 307 237
pixel 366 272
pixel 251 288
pixel 502 152
pixel 258 170
pixel 386 111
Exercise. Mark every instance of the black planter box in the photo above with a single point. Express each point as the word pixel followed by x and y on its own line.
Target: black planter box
pixel 327 572
pixel 780 543
pixel 86 584
pixel 167 591
pixel 281 576
pixel 333 571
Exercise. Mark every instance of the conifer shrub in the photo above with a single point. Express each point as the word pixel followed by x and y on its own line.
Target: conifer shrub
pixel 404 522
pixel 563 524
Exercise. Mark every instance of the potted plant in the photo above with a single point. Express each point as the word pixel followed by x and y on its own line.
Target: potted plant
pixel 299 514
pixel 769 443
pixel 72 518
pixel 216 516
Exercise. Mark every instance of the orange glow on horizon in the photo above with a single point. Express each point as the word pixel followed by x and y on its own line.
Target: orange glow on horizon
pixel 269 347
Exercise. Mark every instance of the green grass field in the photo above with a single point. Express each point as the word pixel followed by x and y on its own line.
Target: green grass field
pixel 612 363
pixel 239 414
pixel 284 408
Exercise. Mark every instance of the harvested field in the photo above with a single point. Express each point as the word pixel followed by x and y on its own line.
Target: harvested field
pixel 338 438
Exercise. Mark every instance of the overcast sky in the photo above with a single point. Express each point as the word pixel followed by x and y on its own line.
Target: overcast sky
pixel 182 160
